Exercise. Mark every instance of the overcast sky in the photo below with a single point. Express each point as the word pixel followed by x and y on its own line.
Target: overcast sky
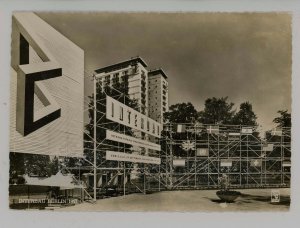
pixel 245 56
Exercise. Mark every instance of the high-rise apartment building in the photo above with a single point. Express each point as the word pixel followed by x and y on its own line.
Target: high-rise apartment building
pixel 158 98
pixel 133 75
pixel 148 88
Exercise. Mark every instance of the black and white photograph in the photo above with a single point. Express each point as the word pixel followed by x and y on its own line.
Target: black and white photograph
pixel 150 111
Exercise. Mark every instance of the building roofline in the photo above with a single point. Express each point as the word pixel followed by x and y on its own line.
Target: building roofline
pixel 120 64
pixel 156 72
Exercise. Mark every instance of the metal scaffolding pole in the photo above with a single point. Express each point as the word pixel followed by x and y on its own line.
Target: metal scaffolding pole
pixel 95 140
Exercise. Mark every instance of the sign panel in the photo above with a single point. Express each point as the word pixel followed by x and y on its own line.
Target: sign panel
pixel 188 145
pixel 202 152
pixel 122 114
pixel 119 156
pixel 286 163
pixel 179 162
pixel 213 129
pixel 232 136
pixel 268 147
pixel 247 130
pixel 181 128
pixel 226 162
pixel 117 137
pixel 256 162
pixel 275 196
pixel 46 116
pixel 276 132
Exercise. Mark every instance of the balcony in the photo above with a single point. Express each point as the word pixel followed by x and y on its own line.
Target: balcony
pixel 143 89
pixel 124 79
pixel 143 76
pixel 143 83
pixel 135 69
pixel 143 95
pixel 115 81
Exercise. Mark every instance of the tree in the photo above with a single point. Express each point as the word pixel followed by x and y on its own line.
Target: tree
pixel 32 165
pixel 17 166
pixel 54 166
pixel 245 116
pixel 284 120
pixel 217 111
pixel 181 113
pixel 37 165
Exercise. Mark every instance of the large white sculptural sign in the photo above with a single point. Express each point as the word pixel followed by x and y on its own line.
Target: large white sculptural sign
pixel 47 89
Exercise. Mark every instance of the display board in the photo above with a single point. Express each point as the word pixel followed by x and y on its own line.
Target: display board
pixel 122 138
pixel 120 156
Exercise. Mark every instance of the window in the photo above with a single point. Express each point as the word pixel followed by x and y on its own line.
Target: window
pixel 121 113
pixel 135 69
pixel 129 115
pixel 135 119
pixel 143 74
pixel 112 109
pixel 142 123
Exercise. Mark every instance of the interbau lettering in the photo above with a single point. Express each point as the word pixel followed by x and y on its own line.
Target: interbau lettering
pixel 120 113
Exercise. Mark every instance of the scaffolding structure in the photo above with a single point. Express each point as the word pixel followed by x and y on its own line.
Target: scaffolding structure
pixel 195 156
pixel 101 174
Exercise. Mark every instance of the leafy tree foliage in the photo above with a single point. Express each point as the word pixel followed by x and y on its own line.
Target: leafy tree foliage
pixel 217 111
pixel 284 120
pixel 37 165
pixel 245 116
pixel 181 113
pixel 32 165
pixel 54 166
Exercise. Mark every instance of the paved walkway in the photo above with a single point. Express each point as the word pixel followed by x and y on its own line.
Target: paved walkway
pixel 193 200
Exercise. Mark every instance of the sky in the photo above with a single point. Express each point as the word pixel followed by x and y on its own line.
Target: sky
pixel 245 56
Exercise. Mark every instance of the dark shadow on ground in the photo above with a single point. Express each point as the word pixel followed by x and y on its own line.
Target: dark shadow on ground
pixel 247 198
pixel 219 201
pixel 284 200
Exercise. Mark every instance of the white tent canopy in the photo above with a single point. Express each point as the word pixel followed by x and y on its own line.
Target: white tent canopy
pixel 57 180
